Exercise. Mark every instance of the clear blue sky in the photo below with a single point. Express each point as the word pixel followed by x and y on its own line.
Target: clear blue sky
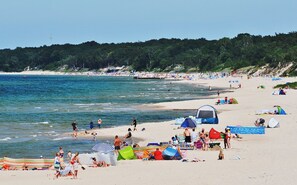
pixel 26 23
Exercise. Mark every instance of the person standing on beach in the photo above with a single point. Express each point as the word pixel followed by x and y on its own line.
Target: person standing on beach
pixel 75 162
pixel 57 163
pixel 134 123
pixel 91 125
pixel 99 123
pixel 75 129
pixel 117 143
pixel 226 139
pixel 218 93
pixel 187 135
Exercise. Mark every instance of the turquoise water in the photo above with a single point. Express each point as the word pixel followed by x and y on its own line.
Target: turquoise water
pixel 35 111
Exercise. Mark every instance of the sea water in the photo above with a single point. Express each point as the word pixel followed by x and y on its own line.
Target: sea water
pixel 36 111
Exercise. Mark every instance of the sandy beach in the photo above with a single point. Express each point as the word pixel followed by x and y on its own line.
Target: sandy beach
pixel 254 159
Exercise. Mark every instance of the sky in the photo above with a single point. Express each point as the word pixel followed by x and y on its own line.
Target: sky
pixel 34 23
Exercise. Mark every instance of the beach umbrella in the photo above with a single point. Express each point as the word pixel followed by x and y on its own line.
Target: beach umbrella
pixel 103 147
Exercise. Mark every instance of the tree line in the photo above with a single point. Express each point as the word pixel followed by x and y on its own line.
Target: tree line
pixel 194 55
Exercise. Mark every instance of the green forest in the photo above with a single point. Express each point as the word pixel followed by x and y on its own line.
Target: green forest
pixel 162 55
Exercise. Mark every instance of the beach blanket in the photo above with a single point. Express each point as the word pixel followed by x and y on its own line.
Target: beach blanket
pixel 246 130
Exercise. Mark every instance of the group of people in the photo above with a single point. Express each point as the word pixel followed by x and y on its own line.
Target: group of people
pixel 59 163
pixel 99 123
pixel 225 101
pixel 91 126
pixel 192 137
pixel 127 140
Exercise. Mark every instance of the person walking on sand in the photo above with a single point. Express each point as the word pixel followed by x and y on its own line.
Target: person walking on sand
pixel 218 93
pixel 75 162
pixel 99 123
pixel 134 123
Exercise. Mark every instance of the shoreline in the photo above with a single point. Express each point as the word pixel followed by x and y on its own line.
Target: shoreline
pixel 260 156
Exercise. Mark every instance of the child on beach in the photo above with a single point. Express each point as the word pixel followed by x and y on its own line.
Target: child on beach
pixel 94 134
pixel 221 155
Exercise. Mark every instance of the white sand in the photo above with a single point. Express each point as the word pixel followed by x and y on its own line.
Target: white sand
pixel 264 159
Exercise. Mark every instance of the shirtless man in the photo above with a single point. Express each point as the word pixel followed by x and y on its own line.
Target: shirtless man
pixel 117 143
pixel 187 135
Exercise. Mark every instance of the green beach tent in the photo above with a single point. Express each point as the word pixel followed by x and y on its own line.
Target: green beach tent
pixel 126 153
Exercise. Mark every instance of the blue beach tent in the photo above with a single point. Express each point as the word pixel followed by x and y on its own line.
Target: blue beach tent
pixel 207 114
pixel 280 110
pixel 188 123
pixel 171 154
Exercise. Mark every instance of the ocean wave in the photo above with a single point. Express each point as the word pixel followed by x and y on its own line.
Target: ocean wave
pixel 5 139
pixel 61 138
pixel 92 104
pixel 36 123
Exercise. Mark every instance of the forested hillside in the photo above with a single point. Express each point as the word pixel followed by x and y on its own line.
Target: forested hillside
pixel 159 55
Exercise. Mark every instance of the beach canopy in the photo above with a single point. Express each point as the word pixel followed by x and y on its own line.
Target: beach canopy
pixel 103 147
pixel 126 153
pixel 171 154
pixel 188 123
pixel 273 123
pixel 207 114
pixel 213 134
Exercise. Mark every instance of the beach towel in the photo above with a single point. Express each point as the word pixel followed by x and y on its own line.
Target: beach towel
pixel 65 171
pixel 246 130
